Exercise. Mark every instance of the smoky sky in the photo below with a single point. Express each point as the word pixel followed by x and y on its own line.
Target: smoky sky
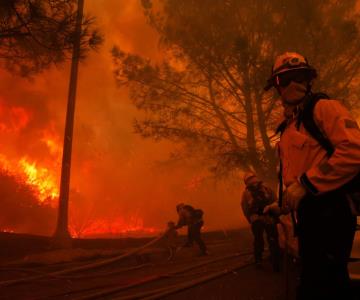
pixel 114 172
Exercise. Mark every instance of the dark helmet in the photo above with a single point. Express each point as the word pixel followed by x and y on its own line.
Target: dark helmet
pixel 286 62
pixel 179 206
pixel 250 177
pixel 171 224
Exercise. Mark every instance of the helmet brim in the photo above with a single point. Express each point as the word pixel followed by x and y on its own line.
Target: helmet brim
pixel 252 179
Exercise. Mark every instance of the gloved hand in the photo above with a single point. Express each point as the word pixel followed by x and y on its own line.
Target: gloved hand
pixel 273 209
pixel 293 194
pixel 254 218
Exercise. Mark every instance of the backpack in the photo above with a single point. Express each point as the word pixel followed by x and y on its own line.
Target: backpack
pixel 198 214
pixel 306 117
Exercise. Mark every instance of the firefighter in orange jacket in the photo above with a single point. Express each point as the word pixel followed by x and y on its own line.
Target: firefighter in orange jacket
pixel 314 180
pixel 255 198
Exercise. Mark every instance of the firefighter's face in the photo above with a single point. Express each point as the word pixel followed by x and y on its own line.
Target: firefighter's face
pixel 293 93
pixel 292 86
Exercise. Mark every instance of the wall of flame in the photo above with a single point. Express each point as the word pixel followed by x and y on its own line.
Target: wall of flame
pixel 116 187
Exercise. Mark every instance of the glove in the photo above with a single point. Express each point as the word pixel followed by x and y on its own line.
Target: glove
pixel 293 194
pixel 254 218
pixel 273 209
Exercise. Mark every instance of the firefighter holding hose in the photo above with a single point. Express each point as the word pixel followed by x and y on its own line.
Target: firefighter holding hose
pixel 256 197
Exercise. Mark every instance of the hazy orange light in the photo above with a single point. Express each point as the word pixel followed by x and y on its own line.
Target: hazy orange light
pixel 14 118
pixel 117 226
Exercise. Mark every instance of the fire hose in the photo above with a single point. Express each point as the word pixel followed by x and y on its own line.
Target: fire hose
pixel 286 259
pixel 162 292
pixel 83 267
pixel 117 289
pixel 106 273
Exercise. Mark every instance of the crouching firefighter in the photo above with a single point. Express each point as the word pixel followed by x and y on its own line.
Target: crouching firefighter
pixel 255 197
pixel 319 152
pixel 193 219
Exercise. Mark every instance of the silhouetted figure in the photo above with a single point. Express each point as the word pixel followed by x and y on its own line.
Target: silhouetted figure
pixel 171 238
pixel 193 219
pixel 255 197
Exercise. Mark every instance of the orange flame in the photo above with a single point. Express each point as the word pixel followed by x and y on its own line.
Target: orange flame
pixel 42 176
pixel 41 179
pixel 52 142
pixel 118 226
pixel 7 230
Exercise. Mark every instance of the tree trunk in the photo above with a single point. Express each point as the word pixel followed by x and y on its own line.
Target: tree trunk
pixel 225 125
pixel 250 133
pixel 269 150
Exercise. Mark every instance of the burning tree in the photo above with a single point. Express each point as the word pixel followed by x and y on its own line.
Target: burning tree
pixel 207 93
pixel 35 34
pixel 20 206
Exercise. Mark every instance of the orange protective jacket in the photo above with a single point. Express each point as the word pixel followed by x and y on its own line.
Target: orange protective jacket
pixel 303 158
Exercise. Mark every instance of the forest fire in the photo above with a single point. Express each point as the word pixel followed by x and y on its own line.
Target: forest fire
pixel 133 226
pixel 26 168
pixel 43 183
pixel 41 179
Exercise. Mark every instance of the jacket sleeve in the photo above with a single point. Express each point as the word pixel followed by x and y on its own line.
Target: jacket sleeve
pixel 336 123
pixel 245 205
pixel 270 195
pixel 181 222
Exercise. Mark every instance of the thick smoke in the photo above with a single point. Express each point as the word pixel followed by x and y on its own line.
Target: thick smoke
pixel 114 172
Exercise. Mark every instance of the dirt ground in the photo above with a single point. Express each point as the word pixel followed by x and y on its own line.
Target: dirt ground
pixel 23 256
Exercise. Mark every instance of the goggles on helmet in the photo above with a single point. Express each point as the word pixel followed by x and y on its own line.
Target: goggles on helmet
pixel 299 76
pixel 287 63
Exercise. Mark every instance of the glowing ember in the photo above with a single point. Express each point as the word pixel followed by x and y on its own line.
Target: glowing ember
pixel 41 179
pixel 7 230
pixel 118 226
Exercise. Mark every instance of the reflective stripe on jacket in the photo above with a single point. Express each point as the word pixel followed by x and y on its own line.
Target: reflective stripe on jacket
pixel 302 156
